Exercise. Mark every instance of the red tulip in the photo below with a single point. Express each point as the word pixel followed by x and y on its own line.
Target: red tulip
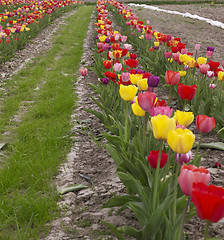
pixel 190 174
pixel 132 63
pixel 83 71
pixel 146 100
pixel 172 78
pixel 204 123
pixel 209 201
pixel 111 76
pixel 107 64
pixel 161 103
pixel 153 158
pixel 133 56
pixel 213 65
pixel 186 92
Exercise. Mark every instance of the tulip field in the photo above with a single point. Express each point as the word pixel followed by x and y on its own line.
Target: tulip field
pixel 138 116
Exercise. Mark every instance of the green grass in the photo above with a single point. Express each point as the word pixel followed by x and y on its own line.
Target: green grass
pixel 39 143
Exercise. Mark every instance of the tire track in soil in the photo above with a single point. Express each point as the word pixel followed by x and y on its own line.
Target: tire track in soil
pixel 81 211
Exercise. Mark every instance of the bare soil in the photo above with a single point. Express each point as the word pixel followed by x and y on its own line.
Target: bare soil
pixel 190 31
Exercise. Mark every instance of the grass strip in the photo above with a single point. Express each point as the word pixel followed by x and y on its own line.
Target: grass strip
pixel 27 196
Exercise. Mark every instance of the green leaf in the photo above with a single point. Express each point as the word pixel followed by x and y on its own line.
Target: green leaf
pixel 121 200
pixel 114 154
pixel 131 232
pixel 153 225
pixel 72 188
pixel 114 230
pixel 96 113
pixel 213 145
pixel 2 145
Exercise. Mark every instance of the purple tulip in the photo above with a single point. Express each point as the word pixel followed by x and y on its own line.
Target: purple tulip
pixel 153 81
pixel 212 49
pixel 105 80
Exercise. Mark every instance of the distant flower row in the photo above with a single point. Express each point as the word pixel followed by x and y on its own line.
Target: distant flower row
pixel 21 19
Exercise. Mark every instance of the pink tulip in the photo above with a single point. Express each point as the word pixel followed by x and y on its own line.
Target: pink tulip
pixel 128 46
pixel 172 78
pixel 117 67
pixel 105 46
pixel 183 158
pixel 83 71
pixel 223 64
pixel 186 67
pixel 117 36
pixel 203 68
pixel 148 22
pixel 175 56
pixel 210 74
pixel 124 38
pixel 184 51
pixel 167 54
pixel 125 76
pixel 148 36
pixel 161 110
pixel 212 86
pixel 209 54
pixel 99 45
pixel 197 47
pixel 146 100
pixel 204 123
pixel 190 174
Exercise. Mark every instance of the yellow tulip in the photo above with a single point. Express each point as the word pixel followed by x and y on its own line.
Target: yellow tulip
pixel 184 118
pixel 102 38
pixel 134 78
pixel 161 125
pixel 192 63
pixel 182 57
pixel 182 73
pixel 201 60
pixel 128 93
pixel 137 110
pixel 220 75
pixel 142 84
pixel 156 44
pixel 180 141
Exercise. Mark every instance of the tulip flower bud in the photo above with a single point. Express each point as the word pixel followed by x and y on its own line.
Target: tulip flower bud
pixel 153 158
pixel 190 174
pixel 83 71
pixel 183 158
pixel 197 47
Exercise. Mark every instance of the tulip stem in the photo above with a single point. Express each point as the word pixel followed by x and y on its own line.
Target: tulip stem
pixel 144 131
pixel 175 192
pixel 167 165
pixel 206 229
pixel 126 122
pixel 195 161
pixel 184 216
pixel 157 178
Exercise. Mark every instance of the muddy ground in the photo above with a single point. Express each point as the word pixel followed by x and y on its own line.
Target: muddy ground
pixel 81 212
